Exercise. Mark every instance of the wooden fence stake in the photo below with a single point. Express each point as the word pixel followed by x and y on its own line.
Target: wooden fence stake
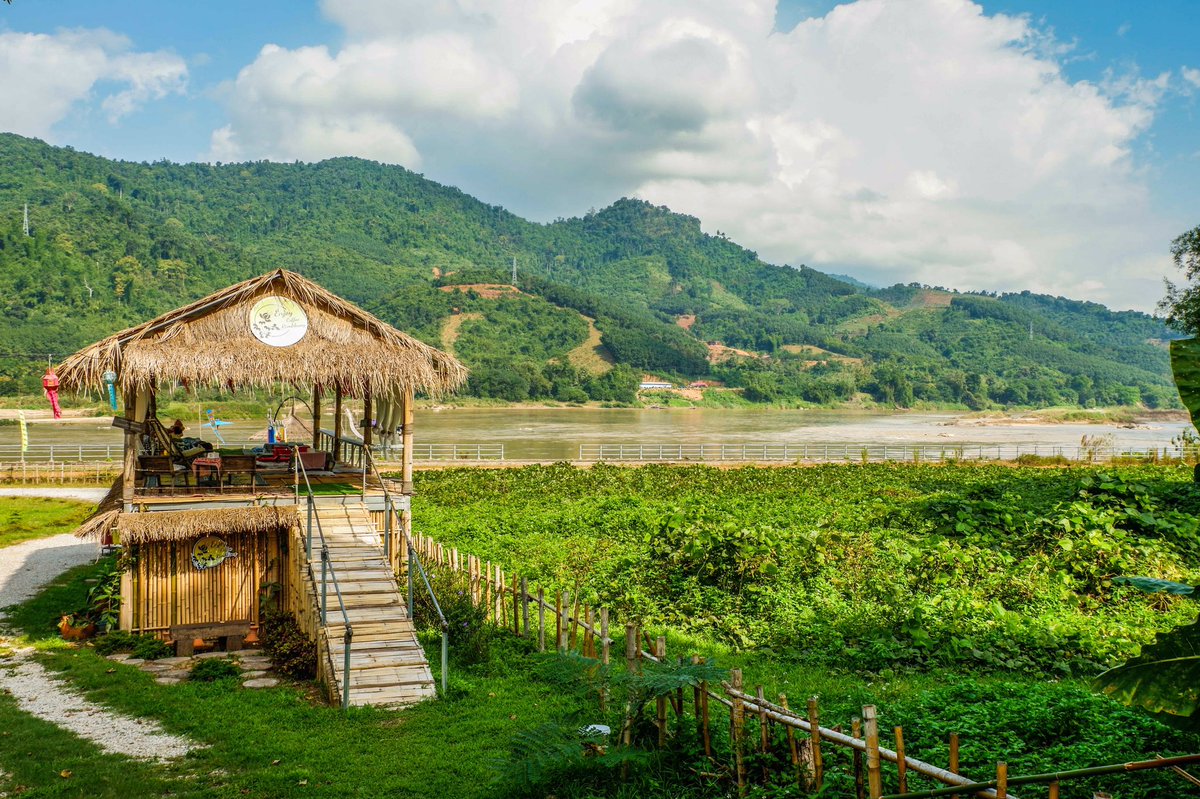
pixel 856 731
pixel 764 731
pixel 573 619
pixel 737 717
pixel 814 724
pixel 660 704
pixel 485 589
pixel 541 619
pixel 630 664
pixel 1053 790
pixel 1001 781
pixel 558 603
pixel 704 729
pixel 901 766
pixel 564 627
pixel 874 776
pixel 604 656
pixel 525 605
pixel 589 633
pixel 793 750
pixel 954 758
pixel 516 596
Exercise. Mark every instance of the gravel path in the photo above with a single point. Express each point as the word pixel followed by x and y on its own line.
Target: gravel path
pixel 40 695
pixel 24 569
pixel 85 494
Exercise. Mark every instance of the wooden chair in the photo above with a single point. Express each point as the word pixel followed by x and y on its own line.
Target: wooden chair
pixel 232 465
pixel 156 467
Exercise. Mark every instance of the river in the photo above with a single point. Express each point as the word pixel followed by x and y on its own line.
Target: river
pixel 559 433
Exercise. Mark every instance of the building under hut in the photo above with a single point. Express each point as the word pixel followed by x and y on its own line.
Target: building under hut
pixel 212 537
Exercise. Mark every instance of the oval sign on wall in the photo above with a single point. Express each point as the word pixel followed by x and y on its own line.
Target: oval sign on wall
pixel 210 551
pixel 278 321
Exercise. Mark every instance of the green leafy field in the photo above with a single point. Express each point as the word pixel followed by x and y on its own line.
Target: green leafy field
pixel 24 519
pixel 879 568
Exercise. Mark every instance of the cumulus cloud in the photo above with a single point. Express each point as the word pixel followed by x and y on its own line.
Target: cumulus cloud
pixel 899 139
pixel 49 74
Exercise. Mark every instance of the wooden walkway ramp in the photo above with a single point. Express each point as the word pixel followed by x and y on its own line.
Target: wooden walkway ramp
pixel 387 663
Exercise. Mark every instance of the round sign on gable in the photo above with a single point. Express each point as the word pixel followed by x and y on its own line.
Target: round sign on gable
pixel 210 551
pixel 278 321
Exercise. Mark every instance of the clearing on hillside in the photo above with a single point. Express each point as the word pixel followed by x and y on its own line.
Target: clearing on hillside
pixel 591 356
pixel 452 325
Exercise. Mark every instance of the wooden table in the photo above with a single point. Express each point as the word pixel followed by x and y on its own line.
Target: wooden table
pixel 212 464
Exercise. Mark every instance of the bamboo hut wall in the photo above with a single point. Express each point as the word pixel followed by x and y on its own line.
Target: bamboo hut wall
pixel 164 588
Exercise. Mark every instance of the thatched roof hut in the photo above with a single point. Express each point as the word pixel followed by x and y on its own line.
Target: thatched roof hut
pixel 231 339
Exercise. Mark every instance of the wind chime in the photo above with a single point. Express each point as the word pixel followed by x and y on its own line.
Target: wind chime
pixel 50 388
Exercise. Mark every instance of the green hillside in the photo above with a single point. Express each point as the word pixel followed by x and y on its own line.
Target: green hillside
pixel 114 242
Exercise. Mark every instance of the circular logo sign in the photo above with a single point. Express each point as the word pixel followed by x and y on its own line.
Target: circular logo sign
pixel 278 321
pixel 210 551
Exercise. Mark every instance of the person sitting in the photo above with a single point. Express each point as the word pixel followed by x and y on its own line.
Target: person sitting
pixel 188 446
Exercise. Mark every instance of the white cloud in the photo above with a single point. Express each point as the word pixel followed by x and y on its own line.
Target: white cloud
pixel 902 139
pixel 47 75
pixel 1191 76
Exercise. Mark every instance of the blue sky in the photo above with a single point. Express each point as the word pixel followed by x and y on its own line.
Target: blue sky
pixel 1050 145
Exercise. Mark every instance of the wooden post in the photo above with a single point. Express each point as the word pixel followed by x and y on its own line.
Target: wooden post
pixel 558 612
pixel 856 731
pixel 631 663
pixel 525 605
pixel 541 619
pixel 1053 790
pixel 901 766
pixel 589 633
pixel 516 596
pixel 565 625
pixel 660 704
pixel 604 656
pixel 316 412
pixel 486 588
pixel 954 757
pixel 368 420
pixel 737 720
pixel 573 621
pixel 337 423
pixel 406 437
pixel 814 723
pixel 499 597
pixel 704 729
pixel 874 775
pixel 1001 781
pixel 764 731
pixel 793 750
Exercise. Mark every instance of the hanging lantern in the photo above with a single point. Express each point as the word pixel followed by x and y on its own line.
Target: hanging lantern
pixel 110 380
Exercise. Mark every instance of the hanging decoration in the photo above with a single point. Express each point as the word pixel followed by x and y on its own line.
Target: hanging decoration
pixel 110 380
pixel 50 388
pixel 215 425
pixel 24 433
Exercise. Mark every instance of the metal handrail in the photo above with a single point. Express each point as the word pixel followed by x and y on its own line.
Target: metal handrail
pixel 412 559
pixel 327 572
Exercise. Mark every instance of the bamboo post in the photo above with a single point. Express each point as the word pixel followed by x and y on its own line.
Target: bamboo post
pixel 368 421
pixel 573 620
pixel 558 612
pixel 604 657
pixel 704 729
pixel 589 638
pixel 901 766
pixel 737 713
pixel 793 750
pixel 954 757
pixel 485 589
pixel 565 625
pixel 516 597
pixel 525 605
pixel 631 664
pixel 1002 781
pixel 1053 790
pixel 764 731
pixel 337 422
pixel 660 704
pixel 406 439
pixel 856 731
pixel 316 412
pixel 498 597
pixel 874 776
pixel 541 619
pixel 815 733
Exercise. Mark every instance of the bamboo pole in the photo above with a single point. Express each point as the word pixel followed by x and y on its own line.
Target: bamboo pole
pixel 1001 780
pixel 631 665
pixel 764 732
pixel 525 605
pixel 814 731
pixel 856 731
pixel 558 612
pixel 1053 790
pixel 737 720
pixel 565 626
pixel 793 749
pixel 316 412
pixel 660 703
pixel 337 423
pixel 874 776
pixel 954 757
pixel 573 620
pixel 541 619
pixel 901 769
pixel 704 720
pixel 516 598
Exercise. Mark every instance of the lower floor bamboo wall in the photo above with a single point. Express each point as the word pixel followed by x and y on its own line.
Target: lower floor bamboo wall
pixel 163 588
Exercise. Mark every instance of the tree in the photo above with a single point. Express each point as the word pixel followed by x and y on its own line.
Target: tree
pixel 1182 303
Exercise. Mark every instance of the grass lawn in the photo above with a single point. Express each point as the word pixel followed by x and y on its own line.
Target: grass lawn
pixel 25 518
pixel 278 742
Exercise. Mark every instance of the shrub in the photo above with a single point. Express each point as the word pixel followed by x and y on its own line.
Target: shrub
pixel 213 669
pixel 293 653
pixel 470 632
pixel 146 647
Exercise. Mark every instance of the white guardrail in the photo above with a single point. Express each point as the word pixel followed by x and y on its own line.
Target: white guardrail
pixel 91 453
pixel 840 453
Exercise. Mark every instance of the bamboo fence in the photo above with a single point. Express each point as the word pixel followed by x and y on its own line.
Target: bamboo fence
pixel 577 627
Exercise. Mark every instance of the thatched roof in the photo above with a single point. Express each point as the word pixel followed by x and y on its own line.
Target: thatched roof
pixel 183 526
pixel 104 517
pixel 209 343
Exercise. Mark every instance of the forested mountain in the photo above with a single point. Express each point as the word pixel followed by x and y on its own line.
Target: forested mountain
pixel 599 300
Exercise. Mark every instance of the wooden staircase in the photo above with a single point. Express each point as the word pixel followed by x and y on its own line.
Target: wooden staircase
pixel 387 663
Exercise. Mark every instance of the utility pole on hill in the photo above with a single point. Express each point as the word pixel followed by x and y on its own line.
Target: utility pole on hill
pixel 514 276
pixel 25 225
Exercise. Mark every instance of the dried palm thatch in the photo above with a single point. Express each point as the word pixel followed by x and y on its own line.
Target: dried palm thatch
pixel 141 528
pixel 104 517
pixel 209 343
